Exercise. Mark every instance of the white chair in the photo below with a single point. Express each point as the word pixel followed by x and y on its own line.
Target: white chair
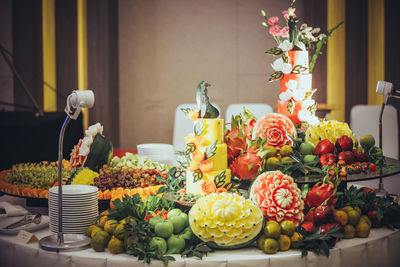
pixel 364 119
pixel 183 126
pixel 258 110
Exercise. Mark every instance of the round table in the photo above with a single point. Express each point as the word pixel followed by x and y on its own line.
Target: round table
pixel 381 248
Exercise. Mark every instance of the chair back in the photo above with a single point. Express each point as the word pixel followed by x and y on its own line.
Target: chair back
pixel 258 110
pixel 183 126
pixel 364 119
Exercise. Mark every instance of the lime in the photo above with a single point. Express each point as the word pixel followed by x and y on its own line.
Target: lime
pixel 349 231
pixel 271 246
pixel 176 244
pixel 309 158
pixel 284 242
pixel 272 163
pixel 272 229
pixel 99 241
pixel 159 243
pixel 367 141
pixel 341 217
pixel 354 217
pixel 164 229
pixel 94 231
pixel 288 228
pixel 115 246
pixel 362 229
pixel 260 242
pixel 306 148
pixel 110 225
pixel 286 150
pixel 272 151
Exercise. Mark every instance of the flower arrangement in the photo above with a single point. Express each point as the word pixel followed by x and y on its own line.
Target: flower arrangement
pixel 289 37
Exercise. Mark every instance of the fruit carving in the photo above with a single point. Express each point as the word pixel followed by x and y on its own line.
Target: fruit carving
pixel 330 130
pixel 226 219
pixel 93 151
pixel 277 128
pixel 320 193
pixel 246 166
pixel 278 196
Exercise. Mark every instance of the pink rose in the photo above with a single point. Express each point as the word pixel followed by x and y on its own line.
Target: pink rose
pixel 284 32
pixel 272 20
pixel 286 14
pixel 275 30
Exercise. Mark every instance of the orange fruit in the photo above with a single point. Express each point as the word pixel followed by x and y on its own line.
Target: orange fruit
pixel 119 191
pixel 107 194
pixel 127 191
pixel 132 192
pixel 112 206
pixel 100 195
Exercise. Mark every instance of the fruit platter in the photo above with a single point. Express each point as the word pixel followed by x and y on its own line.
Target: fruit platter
pixel 273 183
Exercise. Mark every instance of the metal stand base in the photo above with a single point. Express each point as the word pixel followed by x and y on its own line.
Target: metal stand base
pixel 381 192
pixel 71 242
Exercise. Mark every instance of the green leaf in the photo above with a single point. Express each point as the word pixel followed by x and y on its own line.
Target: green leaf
pixel 274 51
pixel 219 180
pixel 285 57
pixel 210 149
pixel 199 127
pixel 276 76
pixel 298 69
pixel 197 175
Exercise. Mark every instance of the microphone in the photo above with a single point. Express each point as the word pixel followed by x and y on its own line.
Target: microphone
pixel 77 100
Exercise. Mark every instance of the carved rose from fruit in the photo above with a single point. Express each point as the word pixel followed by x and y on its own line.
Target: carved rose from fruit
pixel 278 196
pixel 276 128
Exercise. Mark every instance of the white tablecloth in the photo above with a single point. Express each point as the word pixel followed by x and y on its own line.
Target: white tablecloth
pixel 381 248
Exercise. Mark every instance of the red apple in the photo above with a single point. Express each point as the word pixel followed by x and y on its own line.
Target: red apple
pixel 344 143
pixel 323 214
pixel 324 147
pixel 346 156
pixel 359 156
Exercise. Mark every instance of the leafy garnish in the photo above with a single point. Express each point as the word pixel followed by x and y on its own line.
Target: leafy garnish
pixel 210 149
pixel 197 249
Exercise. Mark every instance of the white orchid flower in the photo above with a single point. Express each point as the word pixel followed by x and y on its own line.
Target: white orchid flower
pixel 287 68
pixel 315 30
pixel 94 129
pixel 292 84
pixel 303 26
pixel 308 103
pixel 285 45
pixel 285 96
pixel 299 95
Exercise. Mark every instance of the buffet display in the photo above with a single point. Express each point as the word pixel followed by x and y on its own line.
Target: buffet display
pixel 234 187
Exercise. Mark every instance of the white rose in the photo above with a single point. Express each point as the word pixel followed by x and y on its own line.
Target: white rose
pixel 286 68
pixel 285 96
pixel 285 45
pixel 299 95
pixel 292 84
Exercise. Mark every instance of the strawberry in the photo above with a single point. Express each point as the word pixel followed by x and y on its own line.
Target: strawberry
pixel 324 147
pixel 246 166
pixel 344 143
pixel 308 226
pixel 323 214
pixel 346 156
pixel 372 167
pixel 327 159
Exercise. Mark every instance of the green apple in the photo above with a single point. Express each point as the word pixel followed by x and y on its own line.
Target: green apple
pixel 309 158
pixel 306 148
pixel 155 220
pixel 174 212
pixel 164 229
pixel 176 244
pixel 160 243
pixel 187 233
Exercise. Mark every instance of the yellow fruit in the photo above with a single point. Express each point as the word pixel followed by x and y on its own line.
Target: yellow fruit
pixel 287 160
pixel 358 209
pixel 260 242
pixel 367 141
pixel 296 237
pixel 271 246
pixel 272 229
pixel 273 163
pixel 115 246
pixel 286 150
pixel 94 231
pixel 354 217
pixel 272 151
pixel 118 231
pixel 110 225
pixel 341 217
pixel 331 130
pixel 103 220
pixel 288 228
pixel 90 229
pixel 99 241
pixel 347 209
pixel 349 231
pixel 365 219
pixel 284 242
pixel 363 229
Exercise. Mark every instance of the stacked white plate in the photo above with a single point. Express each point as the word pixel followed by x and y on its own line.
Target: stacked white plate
pixel 161 153
pixel 79 208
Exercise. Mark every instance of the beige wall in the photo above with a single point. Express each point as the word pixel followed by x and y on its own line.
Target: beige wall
pixel 167 47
